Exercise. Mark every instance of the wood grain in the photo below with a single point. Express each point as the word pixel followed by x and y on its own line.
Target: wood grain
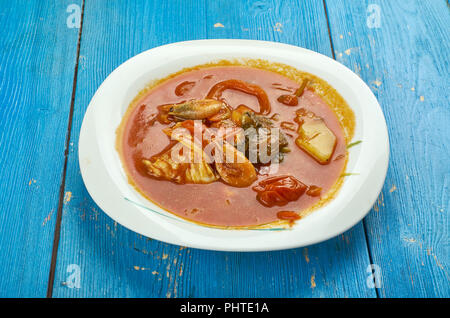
pixel 37 62
pixel 406 63
pixel 116 262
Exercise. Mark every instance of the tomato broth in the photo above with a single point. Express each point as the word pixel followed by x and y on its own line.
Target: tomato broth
pixel 217 203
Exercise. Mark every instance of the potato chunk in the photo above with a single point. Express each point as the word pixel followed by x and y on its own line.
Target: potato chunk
pixel 315 138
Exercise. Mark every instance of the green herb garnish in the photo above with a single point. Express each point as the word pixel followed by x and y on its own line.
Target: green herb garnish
pixel 354 144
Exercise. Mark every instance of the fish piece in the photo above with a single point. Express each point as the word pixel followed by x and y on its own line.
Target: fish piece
pixel 231 165
pixel 184 162
pixel 165 167
pixel 234 168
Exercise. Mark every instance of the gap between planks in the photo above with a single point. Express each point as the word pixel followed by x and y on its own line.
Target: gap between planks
pixel 56 236
pixel 57 232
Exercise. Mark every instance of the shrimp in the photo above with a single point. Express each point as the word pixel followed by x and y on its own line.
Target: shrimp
pixel 196 109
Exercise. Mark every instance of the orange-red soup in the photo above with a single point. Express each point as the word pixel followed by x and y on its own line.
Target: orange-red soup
pixel 218 203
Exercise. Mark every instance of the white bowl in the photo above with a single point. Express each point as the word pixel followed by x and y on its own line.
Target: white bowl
pixel 106 180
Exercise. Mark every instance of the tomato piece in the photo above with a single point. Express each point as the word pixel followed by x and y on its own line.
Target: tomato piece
pixel 264 105
pixel 279 190
pixel 288 215
pixel 287 125
pixel 292 100
pixel 189 125
pixel 314 191
pixel 236 114
pixel 271 198
pixel 288 100
pixel 163 114
pixel 184 88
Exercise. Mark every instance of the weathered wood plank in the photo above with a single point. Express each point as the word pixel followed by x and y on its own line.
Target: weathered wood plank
pixel 115 262
pixel 404 57
pixel 303 24
pixel 37 62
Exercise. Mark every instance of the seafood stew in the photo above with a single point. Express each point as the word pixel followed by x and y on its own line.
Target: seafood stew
pixel 234 144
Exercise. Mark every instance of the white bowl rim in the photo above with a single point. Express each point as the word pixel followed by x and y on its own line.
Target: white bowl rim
pixel 106 181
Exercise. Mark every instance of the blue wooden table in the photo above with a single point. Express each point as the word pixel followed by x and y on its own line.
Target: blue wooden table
pixel 55 241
